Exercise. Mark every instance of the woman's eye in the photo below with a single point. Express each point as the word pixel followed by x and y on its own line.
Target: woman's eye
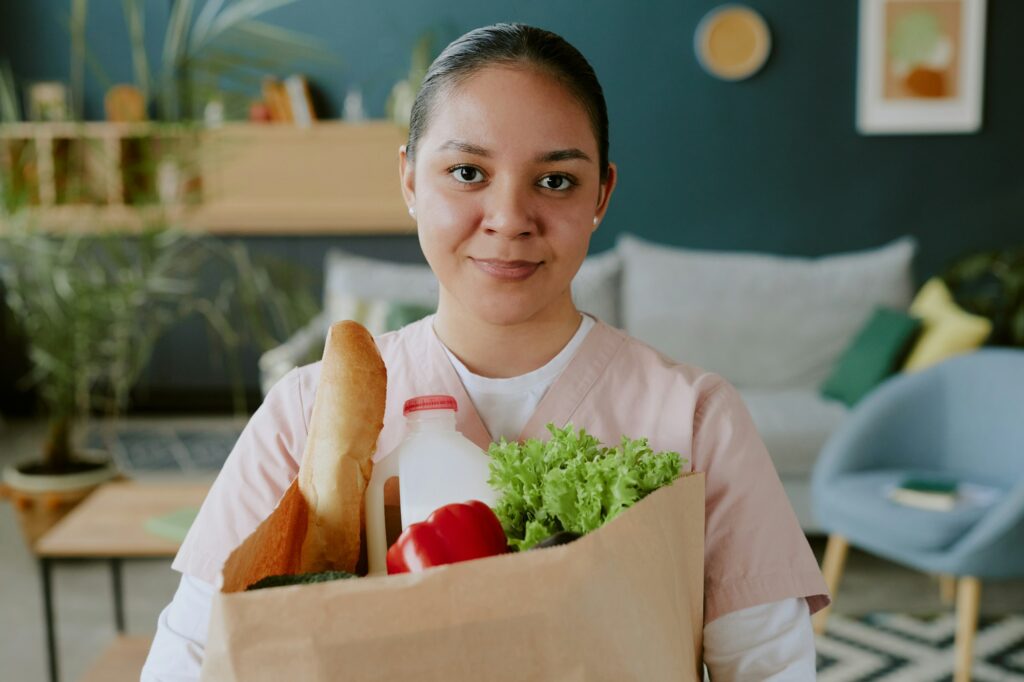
pixel 556 182
pixel 466 174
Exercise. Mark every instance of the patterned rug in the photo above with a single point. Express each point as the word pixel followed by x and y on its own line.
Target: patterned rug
pixel 900 648
pixel 140 451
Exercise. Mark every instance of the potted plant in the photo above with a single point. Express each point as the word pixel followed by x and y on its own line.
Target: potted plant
pixel 90 308
pixel 991 284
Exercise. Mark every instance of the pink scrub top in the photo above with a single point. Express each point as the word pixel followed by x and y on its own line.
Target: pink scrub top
pixel 615 385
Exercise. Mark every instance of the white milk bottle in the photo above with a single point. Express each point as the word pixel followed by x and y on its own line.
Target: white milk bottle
pixel 435 464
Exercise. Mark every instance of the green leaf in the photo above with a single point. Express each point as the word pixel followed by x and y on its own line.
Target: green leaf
pixel 134 15
pixel 283 44
pixel 239 12
pixel 79 10
pixel 422 56
pixel 1017 328
pixel 572 482
pixel 991 283
pixel 177 33
pixel 10 111
pixel 204 23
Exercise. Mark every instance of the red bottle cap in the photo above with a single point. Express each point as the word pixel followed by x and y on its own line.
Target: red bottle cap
pixel 430 402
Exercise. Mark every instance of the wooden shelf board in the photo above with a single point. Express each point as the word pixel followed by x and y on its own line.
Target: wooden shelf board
pixel 333 177
pixel 252 219
pixel 92 129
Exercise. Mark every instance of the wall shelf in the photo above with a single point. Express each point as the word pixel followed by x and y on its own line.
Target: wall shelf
pixel 239 179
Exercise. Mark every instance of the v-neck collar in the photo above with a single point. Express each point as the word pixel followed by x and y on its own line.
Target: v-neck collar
pixel 559 402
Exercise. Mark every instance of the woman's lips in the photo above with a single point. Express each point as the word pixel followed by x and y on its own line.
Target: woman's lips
pixel 507 270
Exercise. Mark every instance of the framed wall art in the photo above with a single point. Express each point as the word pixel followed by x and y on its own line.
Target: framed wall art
pixel 920 66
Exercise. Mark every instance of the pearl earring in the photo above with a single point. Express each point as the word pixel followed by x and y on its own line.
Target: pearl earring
pixel 412 212
pixel 595 220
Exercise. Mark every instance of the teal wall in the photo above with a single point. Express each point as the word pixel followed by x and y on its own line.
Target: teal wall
pixel 769 164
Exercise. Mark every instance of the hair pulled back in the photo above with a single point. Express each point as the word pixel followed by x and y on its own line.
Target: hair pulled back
pixel 512 45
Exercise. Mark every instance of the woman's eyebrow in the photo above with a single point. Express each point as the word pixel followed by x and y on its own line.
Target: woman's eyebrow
pixel 466 147
pixel 570 154
pixel 563 155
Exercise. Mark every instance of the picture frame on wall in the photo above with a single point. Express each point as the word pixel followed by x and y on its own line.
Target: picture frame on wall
pixel 920 66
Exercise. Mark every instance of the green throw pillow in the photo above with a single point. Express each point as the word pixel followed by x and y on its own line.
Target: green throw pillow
pixel 878 350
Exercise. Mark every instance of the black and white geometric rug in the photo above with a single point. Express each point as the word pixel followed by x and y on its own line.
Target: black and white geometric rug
pixel 900 648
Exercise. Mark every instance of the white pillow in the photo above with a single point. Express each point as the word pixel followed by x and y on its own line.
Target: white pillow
pixel 351 283
pixel 595 289
pixel 759 320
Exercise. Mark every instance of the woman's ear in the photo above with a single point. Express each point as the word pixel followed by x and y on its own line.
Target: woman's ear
pixel 405 171
pixel 605 194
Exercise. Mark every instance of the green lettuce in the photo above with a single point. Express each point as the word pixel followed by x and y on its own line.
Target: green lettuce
pixel 572 482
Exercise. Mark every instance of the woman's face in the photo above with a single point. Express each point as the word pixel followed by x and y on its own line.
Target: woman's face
pixel 506 188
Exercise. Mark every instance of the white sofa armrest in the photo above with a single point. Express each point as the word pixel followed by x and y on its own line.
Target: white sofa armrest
pixel 277 362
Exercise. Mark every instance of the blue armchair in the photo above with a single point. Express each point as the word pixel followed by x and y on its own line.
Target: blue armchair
pixel 961 421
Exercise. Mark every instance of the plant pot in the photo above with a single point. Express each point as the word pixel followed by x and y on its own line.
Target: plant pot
pixel 98 469
pixel 42 500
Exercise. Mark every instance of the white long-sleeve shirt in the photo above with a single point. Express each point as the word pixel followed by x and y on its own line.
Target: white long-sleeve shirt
pixel 768 643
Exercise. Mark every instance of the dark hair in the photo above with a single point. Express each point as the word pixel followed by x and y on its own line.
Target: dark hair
pixel 512 44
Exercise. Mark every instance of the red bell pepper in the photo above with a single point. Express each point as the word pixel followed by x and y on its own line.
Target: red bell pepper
pixel 455 532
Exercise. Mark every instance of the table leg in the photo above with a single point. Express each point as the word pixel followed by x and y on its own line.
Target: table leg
pixel 45 575
pixel 115 575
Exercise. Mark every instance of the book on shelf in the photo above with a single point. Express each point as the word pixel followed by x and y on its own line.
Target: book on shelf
pixel 299 100
pixel 276 99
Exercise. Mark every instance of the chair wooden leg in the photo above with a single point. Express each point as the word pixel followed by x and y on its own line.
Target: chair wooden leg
pixel 832 568
pixel 967 600
pixel 947 588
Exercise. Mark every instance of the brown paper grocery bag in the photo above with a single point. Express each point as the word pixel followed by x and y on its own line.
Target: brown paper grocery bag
pixel 624 602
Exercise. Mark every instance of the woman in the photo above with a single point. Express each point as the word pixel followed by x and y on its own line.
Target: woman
pixel 506 171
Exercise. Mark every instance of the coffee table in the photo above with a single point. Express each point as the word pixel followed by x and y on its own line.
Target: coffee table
pixel 109 525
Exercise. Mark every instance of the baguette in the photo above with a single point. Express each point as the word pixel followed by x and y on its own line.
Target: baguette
pixel 317 524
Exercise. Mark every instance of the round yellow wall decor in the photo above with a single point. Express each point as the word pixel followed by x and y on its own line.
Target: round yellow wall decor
pixel 732 42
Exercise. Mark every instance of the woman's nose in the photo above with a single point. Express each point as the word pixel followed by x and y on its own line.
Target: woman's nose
pixel 508 213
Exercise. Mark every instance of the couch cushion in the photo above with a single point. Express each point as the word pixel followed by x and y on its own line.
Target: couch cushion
pixel 877 352
pixel 948 329
pixel 596 286
pixel 351 283
pixel 857 505
pixel 794 425
pixel 759 320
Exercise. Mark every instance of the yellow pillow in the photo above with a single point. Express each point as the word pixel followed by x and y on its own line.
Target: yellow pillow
pixel 947 330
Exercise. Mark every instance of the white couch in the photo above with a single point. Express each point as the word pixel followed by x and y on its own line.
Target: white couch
pixel 774 326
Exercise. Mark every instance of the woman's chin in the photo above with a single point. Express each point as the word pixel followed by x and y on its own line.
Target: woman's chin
pixel 510 311
pixel 509 305
pixel 505 316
